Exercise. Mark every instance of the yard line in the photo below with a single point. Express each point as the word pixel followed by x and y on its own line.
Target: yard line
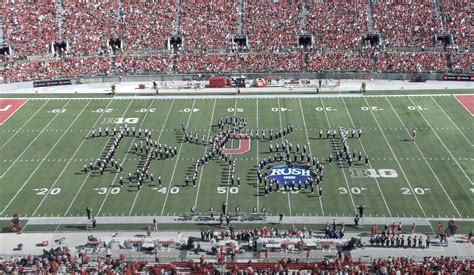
pixel 432 129
pixel 205 150
pixel 177 161
pixel 370 163
pixel 158 140
pixel 230 166
pixel 87 177
pixel 309 146
pixel 44 158
pixel 258 184
pixel 281 127
pixel 31 143
pixel 395 156
pixel 426 161
pixel 70 159
pixel 452 121
pixel 124 158
pixel 24 124
pixel 340 162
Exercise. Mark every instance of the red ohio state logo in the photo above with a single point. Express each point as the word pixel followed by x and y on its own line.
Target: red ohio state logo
pixel 244 145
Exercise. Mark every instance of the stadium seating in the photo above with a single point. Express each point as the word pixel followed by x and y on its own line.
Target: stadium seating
pixel 272 29
pixel 404 23
pixel 66 263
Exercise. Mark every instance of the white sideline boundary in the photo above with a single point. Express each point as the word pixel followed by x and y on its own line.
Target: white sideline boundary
pixel 243 96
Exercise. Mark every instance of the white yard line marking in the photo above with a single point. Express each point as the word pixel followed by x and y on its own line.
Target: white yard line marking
pixel 158 140
pixel 370 163
pixel 340 162
pixel 176 162
pixel 205 150
pixel 31 143
pixel 87 176
pixel 258 184
pixel 67 164
pixel 230 166
pixel 309 147
pixel 248 96
pixel 424 158
pixel 444 145
pixel 44 158
pixel 24 124
pixel 395 156
pixel 455 125
pixel 283 140
pixel 124 158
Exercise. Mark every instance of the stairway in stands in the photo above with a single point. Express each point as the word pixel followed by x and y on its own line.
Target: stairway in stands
pixel 370 17
pixel 240 12
pixel 1 30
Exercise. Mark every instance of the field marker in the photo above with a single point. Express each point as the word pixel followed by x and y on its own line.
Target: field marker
pixel 370 164
pixel 67 164
pixel 396 159
pixel 125 157
pixel 159 137
pixel 176 163
pixel 472 145
pixel 205 150
pixel 340 162
pixel 309 147
pixel 443 143
pixel 282 139
pixel 31 143
pixel 258 152
pixel 229 177
pixel 24 124
pixel 47 154
pixel 87 177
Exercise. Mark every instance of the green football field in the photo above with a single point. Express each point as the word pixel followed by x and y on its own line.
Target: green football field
pixel 45 144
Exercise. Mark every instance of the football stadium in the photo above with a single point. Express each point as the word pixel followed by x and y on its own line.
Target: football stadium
pixel 236 137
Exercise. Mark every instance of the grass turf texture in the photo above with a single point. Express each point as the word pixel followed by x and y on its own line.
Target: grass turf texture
pixel 43 150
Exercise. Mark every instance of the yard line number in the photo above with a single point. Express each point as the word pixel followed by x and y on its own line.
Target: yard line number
pixel 104 190
pixel 223 190
pixel 44 191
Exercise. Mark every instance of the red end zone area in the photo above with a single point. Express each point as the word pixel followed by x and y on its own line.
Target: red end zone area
pixel 467 101
pixel 8 107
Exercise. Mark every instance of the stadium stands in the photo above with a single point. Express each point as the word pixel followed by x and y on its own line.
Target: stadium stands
pixel 147 24
pixel 271 28
pixel 207 25
pixel 67 263
pixel 404 23
pixel 337 25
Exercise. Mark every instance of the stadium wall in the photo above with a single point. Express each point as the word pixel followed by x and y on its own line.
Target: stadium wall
pixel 322 75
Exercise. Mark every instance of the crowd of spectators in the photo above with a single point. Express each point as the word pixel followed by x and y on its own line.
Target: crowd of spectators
pixel 56 68
pixel 461 62
pixel 336 25
pixel 272 29
pixel 269 61
pixel 271 25
pixel 208 24
pixel 84 264
pixel 88 25
pixel 393 61
pixel 456 15
pixel 405 23
pixel 206 62
pixel 161 63
pixel 29 30
pixel 147 24
pixel 340 61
